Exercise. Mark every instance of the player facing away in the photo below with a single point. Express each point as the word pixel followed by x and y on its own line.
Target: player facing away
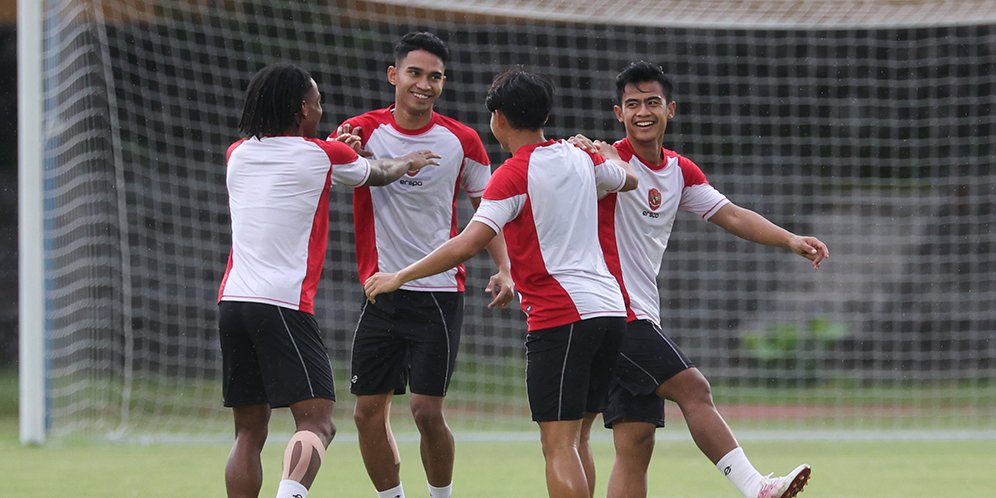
pixel 411 336
pixel 278 181
pixel 543 200
pixel 635 227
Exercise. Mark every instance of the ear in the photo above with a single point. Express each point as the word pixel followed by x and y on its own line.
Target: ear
pixel 618 111
pixel 392 75
pixel 672 109
pixel 500 119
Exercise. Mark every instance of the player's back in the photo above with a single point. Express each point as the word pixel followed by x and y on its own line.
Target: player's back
pixel 278 190
pixel 557 263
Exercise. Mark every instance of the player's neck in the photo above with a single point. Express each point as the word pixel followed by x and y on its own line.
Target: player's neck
pixel 409 120
pixel 518 139
pixel 648 151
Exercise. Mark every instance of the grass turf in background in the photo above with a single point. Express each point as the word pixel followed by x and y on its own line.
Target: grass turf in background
pixel 512 469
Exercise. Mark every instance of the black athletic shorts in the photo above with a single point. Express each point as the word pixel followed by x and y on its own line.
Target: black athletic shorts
pixel 648 358
pixel 407 338
pixel 271 355
pixel 568 368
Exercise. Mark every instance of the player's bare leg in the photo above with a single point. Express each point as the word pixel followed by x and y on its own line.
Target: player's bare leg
pixel 565 477
pixel 244 470
pixel 584 451
pixel 377 445
pixel 306 449
pixel 693 394
pixel 634 444
pixel 437 445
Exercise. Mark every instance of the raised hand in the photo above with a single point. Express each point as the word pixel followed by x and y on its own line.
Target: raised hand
pixel 351 137
pixel 582 142
pixel 421 159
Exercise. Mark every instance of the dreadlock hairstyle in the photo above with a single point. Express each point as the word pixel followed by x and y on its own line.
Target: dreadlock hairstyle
pixel 273 100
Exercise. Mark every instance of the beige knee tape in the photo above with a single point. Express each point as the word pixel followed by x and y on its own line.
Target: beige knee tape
pixel 302 447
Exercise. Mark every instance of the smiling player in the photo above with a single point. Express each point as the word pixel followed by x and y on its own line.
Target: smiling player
pixel 411 336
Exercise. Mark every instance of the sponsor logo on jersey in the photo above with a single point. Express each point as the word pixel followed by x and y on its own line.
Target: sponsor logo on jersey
pixel 410 183
pixel 654 198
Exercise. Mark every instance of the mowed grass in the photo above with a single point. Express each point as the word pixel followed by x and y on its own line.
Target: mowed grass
pixel 512 469
pixel 503 467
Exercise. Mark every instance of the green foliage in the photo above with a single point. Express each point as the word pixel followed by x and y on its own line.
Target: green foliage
pixel 786 354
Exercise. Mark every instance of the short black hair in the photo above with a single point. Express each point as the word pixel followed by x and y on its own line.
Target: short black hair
pixel 273 99
pixel 524 98
pixel 421 40
pixel 643 72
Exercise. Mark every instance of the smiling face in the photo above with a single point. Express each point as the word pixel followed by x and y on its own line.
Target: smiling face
pixel 418 80
pixel 644 111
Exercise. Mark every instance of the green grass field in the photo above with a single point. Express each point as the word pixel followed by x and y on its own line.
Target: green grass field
pixel 500 468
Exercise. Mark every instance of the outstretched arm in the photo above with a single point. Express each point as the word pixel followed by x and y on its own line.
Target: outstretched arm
pixel 500 284
pixel 751 226
pixel 385 171
pixel 469 242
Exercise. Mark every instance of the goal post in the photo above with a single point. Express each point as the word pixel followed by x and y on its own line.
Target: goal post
pixel 31 318
pixel 867 123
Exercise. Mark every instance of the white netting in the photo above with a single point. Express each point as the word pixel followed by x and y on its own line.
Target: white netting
pixel 877 137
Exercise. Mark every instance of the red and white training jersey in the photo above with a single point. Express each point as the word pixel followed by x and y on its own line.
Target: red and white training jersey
pixel 635 226
pixel 400 223
pixel 278 197
pixel 545 199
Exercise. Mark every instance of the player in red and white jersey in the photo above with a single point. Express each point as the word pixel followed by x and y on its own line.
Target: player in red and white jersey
pixel 278 181
pixel 412 336
pixel 544 201
pixel 635 227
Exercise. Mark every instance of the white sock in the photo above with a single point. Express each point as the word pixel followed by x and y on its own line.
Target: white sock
pixel 443 492
pixel 395 492
pixel 738 469
pixel 291 489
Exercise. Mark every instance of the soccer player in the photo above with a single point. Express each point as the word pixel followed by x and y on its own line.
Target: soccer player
pixel 278 180
pixel 412 335
pixel 543 199
pixel 635 227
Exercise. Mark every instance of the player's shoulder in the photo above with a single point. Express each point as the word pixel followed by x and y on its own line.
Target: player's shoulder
pixel 458 128
pixel 372 118
pixel 580 153
pixel 691 172
pixel 624 148
pixel 235 145
pixel 683 162
pixel 337 152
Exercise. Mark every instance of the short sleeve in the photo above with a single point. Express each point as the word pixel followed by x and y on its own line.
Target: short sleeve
pixel 504 197
pixel 348 168
pixel 474 177
pixel 609 176
pixel 698 196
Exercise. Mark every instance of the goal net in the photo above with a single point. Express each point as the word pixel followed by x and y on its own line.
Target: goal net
pixel 866 123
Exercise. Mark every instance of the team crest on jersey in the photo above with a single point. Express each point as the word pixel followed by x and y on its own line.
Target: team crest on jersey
pixel 654 198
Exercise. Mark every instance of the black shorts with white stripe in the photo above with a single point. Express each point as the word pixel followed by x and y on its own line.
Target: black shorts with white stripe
pixel 271 355
pixel 647 359
pixel 568 368
pixel 406 338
